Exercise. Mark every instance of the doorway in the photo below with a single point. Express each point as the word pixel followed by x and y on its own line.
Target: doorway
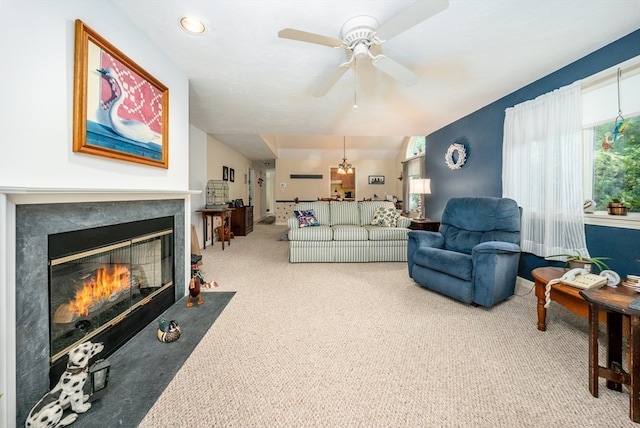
pixel 343 186
pixel 250 180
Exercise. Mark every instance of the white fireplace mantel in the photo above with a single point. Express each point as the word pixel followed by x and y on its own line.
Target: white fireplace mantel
pixel 42 195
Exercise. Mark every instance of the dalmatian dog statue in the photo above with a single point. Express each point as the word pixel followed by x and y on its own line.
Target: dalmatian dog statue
pixel 68 392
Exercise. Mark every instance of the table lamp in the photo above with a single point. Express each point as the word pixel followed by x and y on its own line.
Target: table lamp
pixel 420 186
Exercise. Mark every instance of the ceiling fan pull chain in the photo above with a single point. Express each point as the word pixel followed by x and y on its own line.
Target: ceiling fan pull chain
pixel 355 82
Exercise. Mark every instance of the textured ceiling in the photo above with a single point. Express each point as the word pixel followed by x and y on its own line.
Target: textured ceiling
pixel 248 86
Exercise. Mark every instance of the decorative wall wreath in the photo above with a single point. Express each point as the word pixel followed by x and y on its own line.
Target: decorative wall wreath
pixel 461 156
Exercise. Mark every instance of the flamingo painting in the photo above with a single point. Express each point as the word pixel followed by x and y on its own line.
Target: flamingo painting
pixel 127 128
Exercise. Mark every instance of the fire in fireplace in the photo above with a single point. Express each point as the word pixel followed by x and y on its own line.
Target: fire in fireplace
pixel 106 284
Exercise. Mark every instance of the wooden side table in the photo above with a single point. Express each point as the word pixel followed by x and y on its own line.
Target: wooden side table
pixel 614 302
pixel 424 224
pixel 565 295
pixel 225 216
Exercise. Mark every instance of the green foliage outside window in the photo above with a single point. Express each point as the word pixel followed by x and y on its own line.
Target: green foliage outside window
pixel 617 164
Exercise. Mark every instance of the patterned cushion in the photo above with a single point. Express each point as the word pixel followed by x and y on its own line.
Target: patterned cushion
pixel 368 209
pixel 385 217
pixel 321 209
pixel 306 218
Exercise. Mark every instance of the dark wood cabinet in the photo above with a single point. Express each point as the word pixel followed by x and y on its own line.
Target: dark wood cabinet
pixel 242 221
pixel 349 181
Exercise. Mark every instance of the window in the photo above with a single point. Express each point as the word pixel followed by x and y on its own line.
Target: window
pixel 412 168
pixel 616 164
pixel 612 156
pixel 416 146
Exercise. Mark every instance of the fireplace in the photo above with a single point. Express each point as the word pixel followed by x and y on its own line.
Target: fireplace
pixel 106 284
pixel 39 259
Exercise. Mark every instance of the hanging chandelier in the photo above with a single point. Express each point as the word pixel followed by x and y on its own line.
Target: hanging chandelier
pixel 344 167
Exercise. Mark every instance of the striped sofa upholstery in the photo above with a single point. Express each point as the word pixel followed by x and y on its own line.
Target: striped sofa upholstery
pixel 345 234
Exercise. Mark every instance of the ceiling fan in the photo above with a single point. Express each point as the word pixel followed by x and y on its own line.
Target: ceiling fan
pixel 362 33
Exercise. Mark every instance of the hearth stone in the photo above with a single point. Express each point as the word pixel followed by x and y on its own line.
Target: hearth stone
pixel 33 224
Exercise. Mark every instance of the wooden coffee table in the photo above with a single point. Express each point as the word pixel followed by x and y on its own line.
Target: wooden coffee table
pixel 564 295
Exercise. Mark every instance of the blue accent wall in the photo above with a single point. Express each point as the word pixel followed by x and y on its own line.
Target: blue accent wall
pixel 481 134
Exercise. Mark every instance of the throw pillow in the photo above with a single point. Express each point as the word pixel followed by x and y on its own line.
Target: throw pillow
pixel 306 218
pixel 385 217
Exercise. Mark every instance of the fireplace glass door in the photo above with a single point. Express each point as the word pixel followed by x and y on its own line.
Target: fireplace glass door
pixel 95 289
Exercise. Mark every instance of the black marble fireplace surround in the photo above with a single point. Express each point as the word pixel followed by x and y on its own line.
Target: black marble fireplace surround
pixel 33 225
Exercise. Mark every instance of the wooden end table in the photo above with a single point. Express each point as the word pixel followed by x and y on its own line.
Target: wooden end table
pixel 424 224
pixel 614 303
pixel 225 216
pixel 565 295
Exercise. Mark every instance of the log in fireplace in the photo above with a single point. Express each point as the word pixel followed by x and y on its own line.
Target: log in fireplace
pixel 106 284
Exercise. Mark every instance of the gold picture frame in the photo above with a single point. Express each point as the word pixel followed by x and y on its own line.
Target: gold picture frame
pixel 119 110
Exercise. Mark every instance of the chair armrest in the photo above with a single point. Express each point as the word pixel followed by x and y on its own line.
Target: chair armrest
pixel 293 223
pixel 496 247
pixel 423 238
pixel 495 268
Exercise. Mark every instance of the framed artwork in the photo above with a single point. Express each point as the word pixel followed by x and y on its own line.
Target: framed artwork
pixel 232 175
pixel 225 173
pixel 376 179
pixel 119 110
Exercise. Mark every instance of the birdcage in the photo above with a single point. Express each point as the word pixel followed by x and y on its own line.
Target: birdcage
pixel 217 194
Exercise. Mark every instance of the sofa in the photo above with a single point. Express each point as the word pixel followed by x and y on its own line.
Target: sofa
pixel 474 257
pixel 339 231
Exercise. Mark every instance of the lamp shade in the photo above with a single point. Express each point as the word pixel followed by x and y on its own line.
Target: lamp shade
pixel 420 186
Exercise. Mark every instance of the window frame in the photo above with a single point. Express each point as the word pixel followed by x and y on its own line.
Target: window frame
pixel 602 218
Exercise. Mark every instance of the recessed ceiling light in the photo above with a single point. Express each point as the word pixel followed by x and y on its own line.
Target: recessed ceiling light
pixel 192 25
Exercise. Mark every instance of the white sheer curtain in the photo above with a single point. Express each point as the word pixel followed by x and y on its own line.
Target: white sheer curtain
pixel 542 171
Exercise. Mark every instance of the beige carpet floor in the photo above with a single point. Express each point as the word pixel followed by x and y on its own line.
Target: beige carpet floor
pixel 360 345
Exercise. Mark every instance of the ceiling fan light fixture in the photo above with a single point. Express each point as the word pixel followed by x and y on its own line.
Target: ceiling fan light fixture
pixel 361 50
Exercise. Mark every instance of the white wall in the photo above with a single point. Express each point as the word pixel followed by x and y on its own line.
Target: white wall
pixel 219 155
pixel 36 83
pixel 259 192
pixel 198 176
pixel 310 189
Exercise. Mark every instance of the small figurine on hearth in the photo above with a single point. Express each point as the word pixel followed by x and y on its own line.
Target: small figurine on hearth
pixel 197 282
pixel 168 331
pixel 194 292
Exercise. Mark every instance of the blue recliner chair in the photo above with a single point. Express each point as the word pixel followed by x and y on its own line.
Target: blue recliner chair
pixel 474 257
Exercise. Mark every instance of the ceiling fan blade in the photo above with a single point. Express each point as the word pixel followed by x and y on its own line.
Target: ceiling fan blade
pixel 303 36
pixel 413 15
pixel 332 80
pixel 395 70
